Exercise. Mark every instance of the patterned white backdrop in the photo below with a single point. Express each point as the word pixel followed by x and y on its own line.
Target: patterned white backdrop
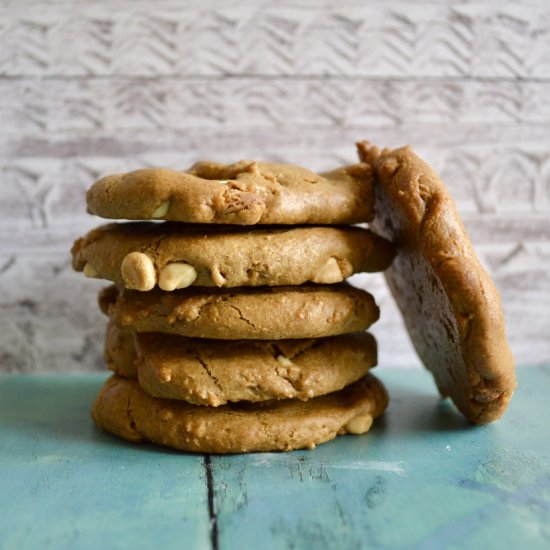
pixel 92 87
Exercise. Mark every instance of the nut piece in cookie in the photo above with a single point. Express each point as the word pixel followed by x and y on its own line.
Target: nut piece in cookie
pixel 177 275
pixel 138 271
pixel 449 304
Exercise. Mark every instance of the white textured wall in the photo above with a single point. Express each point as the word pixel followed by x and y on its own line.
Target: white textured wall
pixel 89 87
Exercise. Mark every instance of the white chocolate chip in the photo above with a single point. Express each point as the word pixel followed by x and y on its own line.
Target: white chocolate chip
pixel 90 271
pixel 359 425
pixel 329 273
pixel 224 182
pixel 283 361
pixel 177 275
pixel 217 278
pixel 161 210
pixel 138 271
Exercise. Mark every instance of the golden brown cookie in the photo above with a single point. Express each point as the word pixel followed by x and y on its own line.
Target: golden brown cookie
pixel 245 193
pixel 119 351
pixel 264 313
pixel 450 305
pixel 142 255
pixel 124 409
pixel 214 372
pixel 106 296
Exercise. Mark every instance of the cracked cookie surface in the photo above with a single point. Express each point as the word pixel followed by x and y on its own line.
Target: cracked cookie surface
pixel 214 372
pixel 124 409
pixel 449 304
pixel 141 255
pixel 264 313
pixel 244 193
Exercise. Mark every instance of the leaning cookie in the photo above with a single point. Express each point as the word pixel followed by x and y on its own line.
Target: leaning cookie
pixel 215 372
pixel 244 193
pixel 124 409
pixel 450 306
pixel 142 255
pixel 264 313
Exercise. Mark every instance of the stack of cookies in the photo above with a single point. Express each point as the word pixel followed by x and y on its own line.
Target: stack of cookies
pixel 231 327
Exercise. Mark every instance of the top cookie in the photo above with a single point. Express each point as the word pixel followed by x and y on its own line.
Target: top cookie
pixel 244 193
pixel 450 306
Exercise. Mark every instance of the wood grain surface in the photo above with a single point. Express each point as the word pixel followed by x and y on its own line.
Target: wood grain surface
pixel 421 478
pixel 89 88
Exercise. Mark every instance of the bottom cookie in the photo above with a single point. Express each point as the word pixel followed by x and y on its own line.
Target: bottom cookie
pixel 124 409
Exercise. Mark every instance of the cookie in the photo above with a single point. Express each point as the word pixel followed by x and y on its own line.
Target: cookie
pixel 124 409
pixel 264 313
pixel 142 255
pixel 119 351
pixel 450 306
pixel 214 372
pixel 106 296
pixel 245 193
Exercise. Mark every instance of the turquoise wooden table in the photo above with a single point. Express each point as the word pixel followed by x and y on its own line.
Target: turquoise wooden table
pixel 422 478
